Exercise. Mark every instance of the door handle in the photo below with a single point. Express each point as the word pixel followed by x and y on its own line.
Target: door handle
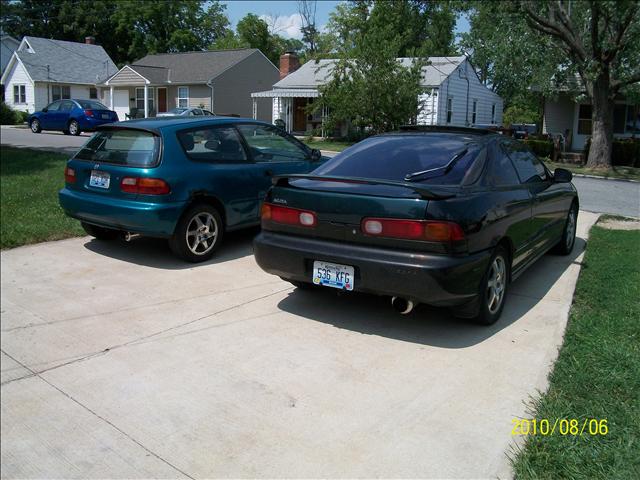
pixel 268 173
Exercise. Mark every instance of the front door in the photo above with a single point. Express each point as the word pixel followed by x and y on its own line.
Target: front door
pixel 162 99
pixel 299 114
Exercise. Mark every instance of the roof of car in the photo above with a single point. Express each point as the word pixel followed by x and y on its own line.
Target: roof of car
pixel 158 123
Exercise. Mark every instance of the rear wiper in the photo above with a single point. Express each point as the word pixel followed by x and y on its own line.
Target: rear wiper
pixel 412 177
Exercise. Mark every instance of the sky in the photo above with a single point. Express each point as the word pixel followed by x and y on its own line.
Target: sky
pixel 283 15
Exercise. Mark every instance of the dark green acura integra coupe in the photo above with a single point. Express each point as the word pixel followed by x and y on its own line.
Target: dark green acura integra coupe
pixel 442 216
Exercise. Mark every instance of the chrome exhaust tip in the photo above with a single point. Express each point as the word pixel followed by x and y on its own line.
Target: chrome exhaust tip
pixel 402 305
pixel 128 236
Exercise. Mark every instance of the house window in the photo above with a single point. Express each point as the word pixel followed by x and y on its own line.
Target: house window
pixel 93 93
pixel 449 109
pixel 183 97
pixel 493 114
pixel 584 120
pixel 59 92
pixel 140 99
pixel 19 94
pixel 473 112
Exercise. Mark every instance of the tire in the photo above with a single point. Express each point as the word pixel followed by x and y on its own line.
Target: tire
pixel 100 233
pixel 66 132
pixel 198 234
pixel 74 128
pixel 35 126
pixel 568 240
pixel 498 273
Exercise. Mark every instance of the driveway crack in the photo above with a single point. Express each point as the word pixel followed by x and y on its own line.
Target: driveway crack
pixel 143 338
pixel 97 415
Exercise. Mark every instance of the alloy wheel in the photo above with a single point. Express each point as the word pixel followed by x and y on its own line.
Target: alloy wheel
pixel 35 126
pixel 73 128
pixel 496 284
pixel 202 233
pixel 571 229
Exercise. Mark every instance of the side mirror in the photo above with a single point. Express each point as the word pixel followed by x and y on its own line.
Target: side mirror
pixel 316 156
pixel 45 109
pixel 561 175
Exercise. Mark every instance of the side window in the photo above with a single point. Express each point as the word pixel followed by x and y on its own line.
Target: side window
pixel 501 171
pixel 66 106
pixel 529 168
pixel 53 107
pixel 213 145
pixel 269 144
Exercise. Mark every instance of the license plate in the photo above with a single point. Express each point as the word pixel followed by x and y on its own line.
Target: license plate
pixel 105 116
pixel 99 179
pixel 333 275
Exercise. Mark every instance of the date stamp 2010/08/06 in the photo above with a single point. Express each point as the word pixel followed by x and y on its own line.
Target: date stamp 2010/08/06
pixel 559 426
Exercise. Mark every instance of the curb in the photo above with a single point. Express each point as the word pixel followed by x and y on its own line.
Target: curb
pixel 584 175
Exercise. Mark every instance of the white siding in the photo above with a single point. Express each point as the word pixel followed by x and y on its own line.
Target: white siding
pixel 18 76
pixel 456 88
pixel 558 115
pixel 42 99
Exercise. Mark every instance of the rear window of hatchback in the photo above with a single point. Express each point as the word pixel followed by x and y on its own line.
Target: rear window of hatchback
pixel 127 147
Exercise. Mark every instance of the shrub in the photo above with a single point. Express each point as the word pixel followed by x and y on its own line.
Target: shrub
pixel 542 148
pixel 21 117
pixel 626 152
pixel 7 114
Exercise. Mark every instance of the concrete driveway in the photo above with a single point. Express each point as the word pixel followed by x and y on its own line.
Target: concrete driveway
pixel 119 361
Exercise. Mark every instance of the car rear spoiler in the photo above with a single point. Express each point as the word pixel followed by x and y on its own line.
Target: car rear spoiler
pixel 429 193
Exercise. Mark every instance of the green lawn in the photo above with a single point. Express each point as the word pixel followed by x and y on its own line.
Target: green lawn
pixel 29 184
pixel 333 145
pixel 629 173
pixel 597 374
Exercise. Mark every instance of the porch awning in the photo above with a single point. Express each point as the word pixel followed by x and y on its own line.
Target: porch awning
pixel 287 93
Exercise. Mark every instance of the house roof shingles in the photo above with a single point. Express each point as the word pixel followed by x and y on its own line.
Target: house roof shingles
pixel 68 62
pixel 189 67
pixel 315 73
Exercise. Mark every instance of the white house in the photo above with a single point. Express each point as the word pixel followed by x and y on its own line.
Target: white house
pixel 565 114
pixel 42 70
pixel 453 94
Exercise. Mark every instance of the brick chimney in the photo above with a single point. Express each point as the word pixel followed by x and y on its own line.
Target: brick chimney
pixel 289 63
pixel 90 40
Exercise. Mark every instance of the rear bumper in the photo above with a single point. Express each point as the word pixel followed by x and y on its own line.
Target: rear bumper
pixel 87 124
pixel 439 280
pixel 153 219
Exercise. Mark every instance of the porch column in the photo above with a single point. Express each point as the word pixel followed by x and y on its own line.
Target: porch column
pixel 111 97
pixel 255 108
pixel 146 101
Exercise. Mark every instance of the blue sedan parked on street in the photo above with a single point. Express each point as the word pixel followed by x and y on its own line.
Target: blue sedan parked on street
pixel 71 117
pixel 186 179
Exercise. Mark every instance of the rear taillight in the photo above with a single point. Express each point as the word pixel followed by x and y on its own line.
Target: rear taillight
pixel 69 175
pixel 88 113
pixel 144 186
pixel 288 216
pixel 427 230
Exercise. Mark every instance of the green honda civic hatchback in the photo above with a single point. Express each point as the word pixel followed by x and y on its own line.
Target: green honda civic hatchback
pixel 188 180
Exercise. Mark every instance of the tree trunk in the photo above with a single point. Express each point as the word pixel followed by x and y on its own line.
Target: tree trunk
pixel 602 125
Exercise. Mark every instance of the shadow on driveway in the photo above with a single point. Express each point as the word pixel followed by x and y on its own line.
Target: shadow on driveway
pixel 155 252
pixel 373 315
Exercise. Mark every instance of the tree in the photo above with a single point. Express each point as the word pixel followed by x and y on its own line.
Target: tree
pixel 600 41
pixel 307 12
pixel 369 87
pixel 127 29
pixel 176 26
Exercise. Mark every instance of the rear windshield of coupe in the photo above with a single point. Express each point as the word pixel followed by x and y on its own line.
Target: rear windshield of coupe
pixel 393 157
pixel 133 148
pixel 92 105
